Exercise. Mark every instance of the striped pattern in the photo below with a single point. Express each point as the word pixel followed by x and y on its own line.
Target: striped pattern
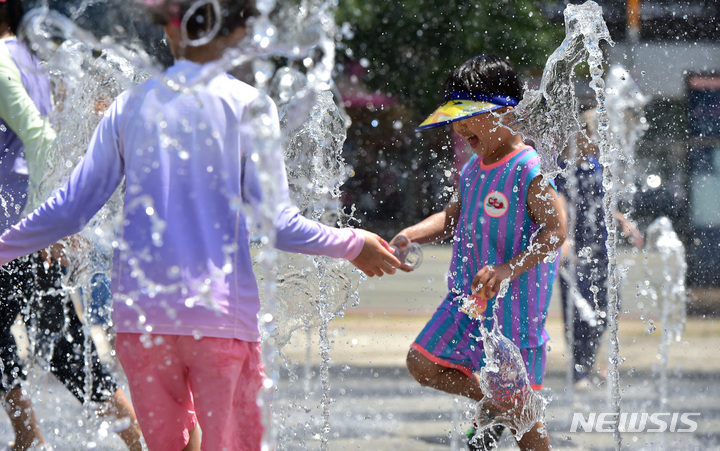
pixel 451 339
pixel 481 239
pixel 490 231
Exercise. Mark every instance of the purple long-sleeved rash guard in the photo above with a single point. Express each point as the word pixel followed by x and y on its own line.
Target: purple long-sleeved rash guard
pixel 182 263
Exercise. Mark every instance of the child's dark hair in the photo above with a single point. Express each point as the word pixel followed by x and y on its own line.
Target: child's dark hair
pixel 12 12
pixel 489 74
pixel 234 14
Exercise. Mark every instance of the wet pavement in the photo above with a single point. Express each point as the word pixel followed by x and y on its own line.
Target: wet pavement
pixel 383 409
pixel 375 405
pixel 65 423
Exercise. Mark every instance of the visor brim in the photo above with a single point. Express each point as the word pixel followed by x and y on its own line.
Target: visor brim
pixel 455 110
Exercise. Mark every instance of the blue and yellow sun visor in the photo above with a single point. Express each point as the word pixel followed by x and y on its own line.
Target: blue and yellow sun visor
pixel 461 105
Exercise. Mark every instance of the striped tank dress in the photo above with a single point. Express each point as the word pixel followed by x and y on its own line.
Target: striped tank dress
pixel 493 227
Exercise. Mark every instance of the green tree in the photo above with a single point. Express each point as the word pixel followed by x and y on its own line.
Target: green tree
pixel 409 46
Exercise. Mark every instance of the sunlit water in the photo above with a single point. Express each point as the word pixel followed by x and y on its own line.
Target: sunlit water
pixel 548 117
pixel 291 55
pixel 303 294
pixel 509 399
pixel 670 293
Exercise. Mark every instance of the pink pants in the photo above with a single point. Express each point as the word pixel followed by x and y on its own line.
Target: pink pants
pixel 177 381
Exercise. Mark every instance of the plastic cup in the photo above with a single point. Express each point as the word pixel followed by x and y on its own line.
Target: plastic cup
pixel 412 255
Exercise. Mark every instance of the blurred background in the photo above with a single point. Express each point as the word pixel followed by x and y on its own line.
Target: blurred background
pixel 392 59
pixel 395 56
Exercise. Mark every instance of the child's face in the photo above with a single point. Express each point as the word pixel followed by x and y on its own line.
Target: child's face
pixel 481 132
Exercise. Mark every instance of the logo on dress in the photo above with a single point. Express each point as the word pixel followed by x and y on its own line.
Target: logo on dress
pixel 496 204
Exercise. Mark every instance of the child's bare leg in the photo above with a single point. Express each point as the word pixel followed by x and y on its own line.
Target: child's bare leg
pixel 23 421
pixel 194 442
pixel 449 380
pixel 534 440
pixel 120 407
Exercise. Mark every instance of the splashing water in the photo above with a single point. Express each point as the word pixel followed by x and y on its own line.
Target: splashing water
pixel 84 83
pixel 45 29
pixel 310 291
pixel 313 290
pixel 87 75
pixel 607 152
pixel 620 128
pixel 625 105
pixel 662 237
pixel 509 399
pixel 548 115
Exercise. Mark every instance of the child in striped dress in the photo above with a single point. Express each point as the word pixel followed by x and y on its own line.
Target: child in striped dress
pixel 507 227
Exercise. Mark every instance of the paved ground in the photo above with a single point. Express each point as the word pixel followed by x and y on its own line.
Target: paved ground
pixel 375 405
pixel 382 409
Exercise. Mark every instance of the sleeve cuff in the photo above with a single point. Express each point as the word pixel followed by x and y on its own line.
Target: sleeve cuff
pixel 357 241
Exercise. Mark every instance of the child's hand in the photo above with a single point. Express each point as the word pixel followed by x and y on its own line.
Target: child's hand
pixel 632 233
pixel 486 282
pixel 376 258
pixel 401 242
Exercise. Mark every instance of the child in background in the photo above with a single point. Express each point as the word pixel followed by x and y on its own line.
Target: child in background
pixel 507 226
pixel 186 301
pixel 32 286
pixel 584 254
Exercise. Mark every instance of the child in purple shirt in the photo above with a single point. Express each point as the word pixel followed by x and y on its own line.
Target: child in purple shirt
pixel 30 286
pixel 186 300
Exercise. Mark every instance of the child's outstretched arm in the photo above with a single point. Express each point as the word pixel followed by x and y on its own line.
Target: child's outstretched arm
pixel 90 185
pixel 545 209
pixel 367 251
pixel 567 250
pixel 629 229
pixel 431 229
